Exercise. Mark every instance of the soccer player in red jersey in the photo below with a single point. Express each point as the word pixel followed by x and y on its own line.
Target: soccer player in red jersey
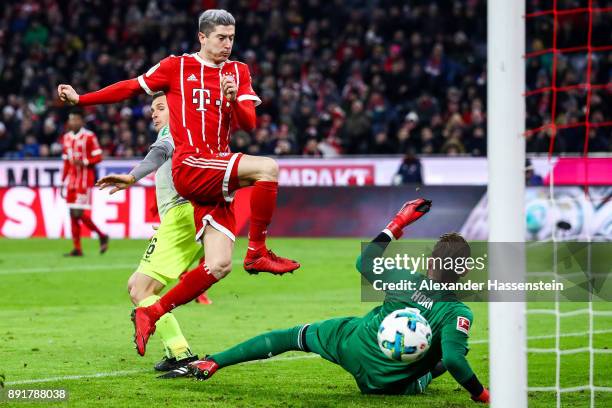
pixel 80 152
pixel 207 95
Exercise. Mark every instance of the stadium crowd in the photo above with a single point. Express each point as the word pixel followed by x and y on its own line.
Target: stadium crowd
pixel 335 77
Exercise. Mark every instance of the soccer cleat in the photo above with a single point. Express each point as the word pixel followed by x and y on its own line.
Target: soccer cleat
pixel 483 397
pixel 268 262
pixel 203 299
pixel 171 363
pixel 409 213
pixel 103 243
pixel 74 252
pixel 144 327
pixel 176 373
pixel 203 369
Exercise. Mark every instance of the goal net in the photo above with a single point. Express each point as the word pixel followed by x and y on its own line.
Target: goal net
pixel 564 65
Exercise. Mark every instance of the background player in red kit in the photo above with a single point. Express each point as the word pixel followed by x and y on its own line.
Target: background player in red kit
pixel 81 152
pixel 207 95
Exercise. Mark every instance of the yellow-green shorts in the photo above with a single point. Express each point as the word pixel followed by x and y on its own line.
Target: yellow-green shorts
pixel 173 248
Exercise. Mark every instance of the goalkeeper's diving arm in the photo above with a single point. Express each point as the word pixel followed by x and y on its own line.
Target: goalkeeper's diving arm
pixel 454 350
pixel 409 213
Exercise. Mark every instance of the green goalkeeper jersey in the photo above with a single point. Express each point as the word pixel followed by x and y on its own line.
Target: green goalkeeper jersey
pixel 450 322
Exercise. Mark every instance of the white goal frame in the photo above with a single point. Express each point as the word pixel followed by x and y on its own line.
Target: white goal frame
pixel 506 191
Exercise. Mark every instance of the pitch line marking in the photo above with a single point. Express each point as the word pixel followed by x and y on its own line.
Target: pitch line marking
pixel 74 377
pixel 63 268
pixel 551 336
pixel 128 372
pixel 271 360
pixel 77 268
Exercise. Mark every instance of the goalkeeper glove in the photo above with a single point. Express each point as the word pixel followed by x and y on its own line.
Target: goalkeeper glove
pixel 409 213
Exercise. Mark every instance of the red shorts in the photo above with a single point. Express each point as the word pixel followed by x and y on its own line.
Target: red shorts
pixel 209 182
pixel 220 216
pixel 79 198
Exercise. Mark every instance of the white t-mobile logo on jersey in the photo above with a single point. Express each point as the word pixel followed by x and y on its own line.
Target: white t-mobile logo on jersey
pixel 201 97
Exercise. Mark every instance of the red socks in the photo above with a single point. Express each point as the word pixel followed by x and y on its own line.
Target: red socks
pixel 263 204
pixel 189 287
pixel 75 227
pixel 90 224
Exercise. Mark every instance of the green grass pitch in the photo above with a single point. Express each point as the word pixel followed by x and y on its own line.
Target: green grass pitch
pixel 64 323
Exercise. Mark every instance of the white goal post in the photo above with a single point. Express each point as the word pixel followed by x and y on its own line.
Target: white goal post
pixel 506 190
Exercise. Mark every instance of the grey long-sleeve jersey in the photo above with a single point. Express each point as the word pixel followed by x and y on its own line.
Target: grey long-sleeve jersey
pixel 160 158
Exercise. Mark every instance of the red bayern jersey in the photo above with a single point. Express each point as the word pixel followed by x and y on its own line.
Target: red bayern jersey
pixel 200 116
pixel 81 147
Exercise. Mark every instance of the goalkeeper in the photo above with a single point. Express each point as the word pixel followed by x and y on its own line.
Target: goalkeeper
pixel 351 342
pixel 173 247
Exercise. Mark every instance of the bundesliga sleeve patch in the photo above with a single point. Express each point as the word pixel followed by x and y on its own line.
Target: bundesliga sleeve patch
pixel 463 324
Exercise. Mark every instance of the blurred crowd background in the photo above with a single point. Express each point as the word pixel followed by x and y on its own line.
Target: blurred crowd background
pixel 335 77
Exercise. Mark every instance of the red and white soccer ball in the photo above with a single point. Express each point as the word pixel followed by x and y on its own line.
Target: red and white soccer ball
pixel 404 335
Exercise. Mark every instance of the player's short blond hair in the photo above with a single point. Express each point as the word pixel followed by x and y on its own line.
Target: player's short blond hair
pixel 211 18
